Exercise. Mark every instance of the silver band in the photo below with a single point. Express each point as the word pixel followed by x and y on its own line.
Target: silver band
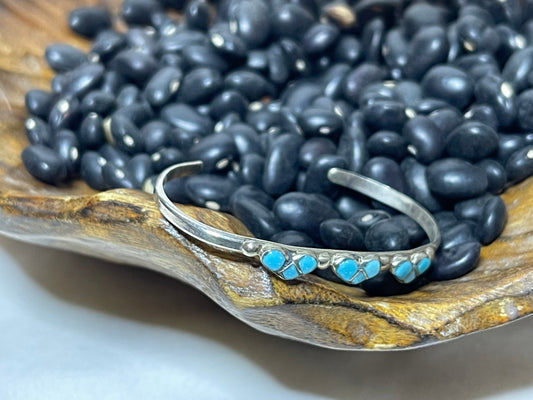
pixel 289 262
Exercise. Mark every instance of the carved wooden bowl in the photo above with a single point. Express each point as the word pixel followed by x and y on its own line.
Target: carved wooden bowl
pixel 125 226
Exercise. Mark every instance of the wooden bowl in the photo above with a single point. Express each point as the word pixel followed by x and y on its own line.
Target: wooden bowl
pixel 125 226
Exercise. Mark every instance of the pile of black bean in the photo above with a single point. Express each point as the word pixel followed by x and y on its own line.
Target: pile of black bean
pixel 433 98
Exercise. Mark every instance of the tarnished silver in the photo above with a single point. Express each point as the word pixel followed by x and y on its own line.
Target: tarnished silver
pixel 403 264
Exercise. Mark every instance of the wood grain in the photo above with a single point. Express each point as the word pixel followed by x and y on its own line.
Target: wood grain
pixel 125 226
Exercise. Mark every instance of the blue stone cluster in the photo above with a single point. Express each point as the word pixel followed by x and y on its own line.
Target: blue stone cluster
pixel 352 272
pixel 288 267
pixel 406 271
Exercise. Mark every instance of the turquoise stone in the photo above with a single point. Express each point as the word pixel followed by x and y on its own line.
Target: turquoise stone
pixel 360 277
pixel 410 277
pixel 347 269
pixel 273 260
pixel 307 264
pixel 372 268
pixel 290 273
pixel 423 265
pixel 402 270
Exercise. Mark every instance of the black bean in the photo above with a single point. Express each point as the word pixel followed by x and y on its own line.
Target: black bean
pixel 125 135
pixel 445 219
pixel 39 102
pixel 496 175
pixel 175 190
pixel 469 63
pixel 116 177
pixel 165 157
pixel 210 191
pixel 38 131
pixel 264 118
pixel 293 238
pixel 89 21
pixel 65 114
pixel 143 40
pixel 484 114
pixel 492 220
pixel 281 164
pixel 229 45
pixel 421 14
pixel 385 115
pixel 197 55
pixel 364 219
pixel 319 38
pixel 428 47
pixel 99 102
pixel 139 113
pixel 348 205
pixel 456 47
pixel 128 95
pixel 517 68
pixel 498 94
pixel 64 57
pixel 261 222
pixel 227 102
pixel 372 38
pixel 394 51
pixel 66 145
pixel 186 118
pixel 427 106
pixel 472 141
pixel 415 231
pixel 200 85
pixel 519 165
pixel 510 42
pixel 387 144
pixel 257 60
pixel 385 236
pixel 176 40
pixel 163 85
pixel 251 169
pixel 107 44
pixel 91 133
pixel 83 79
pixel 446 119
pixel 477 11
pixel 525 109
pixel 278 68
pixel 251 21
pixel 156 135
pixel 417 184
pixel 246 139
pixel 138 12
pixel 250 84
pixel 352 148
pixel 304 212
pixel 379 91
pixel 299 96
pixel 362 76
pixel 183 140
pixel 197 15
pixel 340 234
pixel 91 170
pixel 139 169
pixel 455 262
pixel 313 148
pixel 449 84
pixel 348 50
pixel 456 234
pixel 112 82
pixel 508 144
pixel 253 193
pixel 320 122
pixel 408 92
pixel 477 35
pixel 316 180
pixel 135 65
pixel 455 178
pixel 385 170
pixel 44 164
pixel 425 139
pixel 113 155
pixel 291 20
pixel 295 57
pixel 215 151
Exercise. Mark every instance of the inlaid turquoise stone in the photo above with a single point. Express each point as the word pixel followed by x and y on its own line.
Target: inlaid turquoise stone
pixel 291 272
pixel 403 270
pixel 307 264
pixel 410 277
pixel 347 269
pixel 360 277
pixel 273 260
pixel 423 265
pixel 372 268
